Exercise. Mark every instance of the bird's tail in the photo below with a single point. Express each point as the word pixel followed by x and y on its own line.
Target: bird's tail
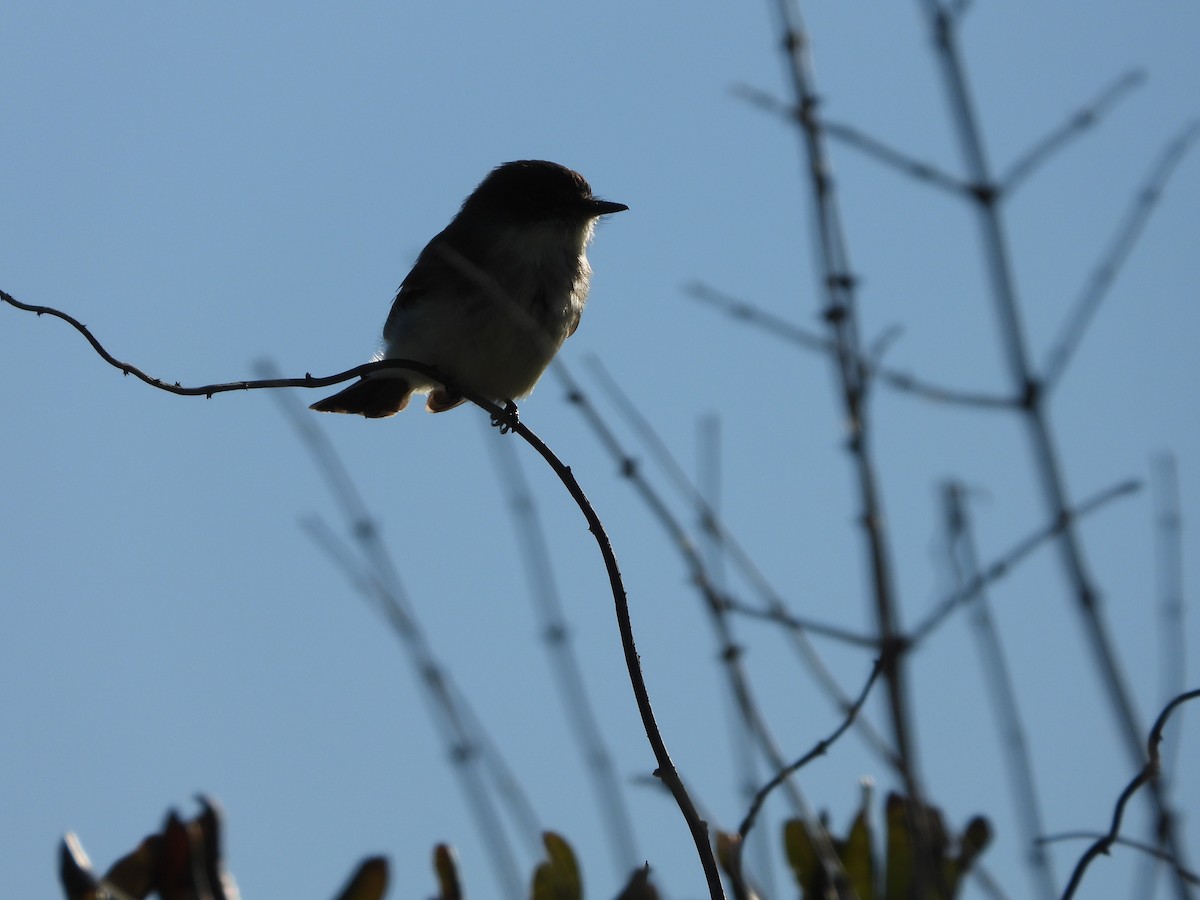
pixel 375 398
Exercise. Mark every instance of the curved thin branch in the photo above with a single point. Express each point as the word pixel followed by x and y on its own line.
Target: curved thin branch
pixel 209 390
pixel 1149 772
pixel 819 749
pixel 666 768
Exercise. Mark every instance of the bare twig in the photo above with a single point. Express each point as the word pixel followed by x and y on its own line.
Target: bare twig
pixel 1169 566
pixel 1081 121
pixel 445 705
pixel 779 327
pixel 964 563
pixel 1101 279
pixel 1002 566
pixel 666 768
pixel 800 624
pixel 864 143
pixel 884 153
pixel 209 390
pixel 1148 773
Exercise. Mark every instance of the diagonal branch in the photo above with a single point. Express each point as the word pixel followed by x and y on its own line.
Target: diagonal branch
pixel 864 143
pixel 467 741
pixel 964 564
pixel 1083 119
pixel 897 159
pixel 779 327
pixel 1000 567
pixel 1104 274
pixel 447 708
pixel 819 749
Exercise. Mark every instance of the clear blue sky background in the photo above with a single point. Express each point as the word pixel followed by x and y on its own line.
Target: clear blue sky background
pixel 207 185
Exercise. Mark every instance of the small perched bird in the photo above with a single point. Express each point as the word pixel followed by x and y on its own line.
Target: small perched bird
pixel 492 297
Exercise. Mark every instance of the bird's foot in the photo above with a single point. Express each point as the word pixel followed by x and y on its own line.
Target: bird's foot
pixel 507 419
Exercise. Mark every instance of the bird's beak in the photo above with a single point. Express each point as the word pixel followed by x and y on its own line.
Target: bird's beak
pixel 604 207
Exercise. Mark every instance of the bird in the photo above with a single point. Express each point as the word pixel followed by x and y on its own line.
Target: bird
pixel 491 298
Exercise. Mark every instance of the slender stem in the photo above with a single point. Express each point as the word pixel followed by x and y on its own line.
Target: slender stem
pixel 964 562
pixel 666 768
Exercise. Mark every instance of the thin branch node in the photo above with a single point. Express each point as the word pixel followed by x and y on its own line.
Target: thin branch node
pixel 892 648
pixel 1031 395
pixel 987 193
pixel 834 313
pixel 845 281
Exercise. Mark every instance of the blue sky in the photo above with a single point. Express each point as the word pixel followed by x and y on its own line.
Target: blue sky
pixel 209 185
